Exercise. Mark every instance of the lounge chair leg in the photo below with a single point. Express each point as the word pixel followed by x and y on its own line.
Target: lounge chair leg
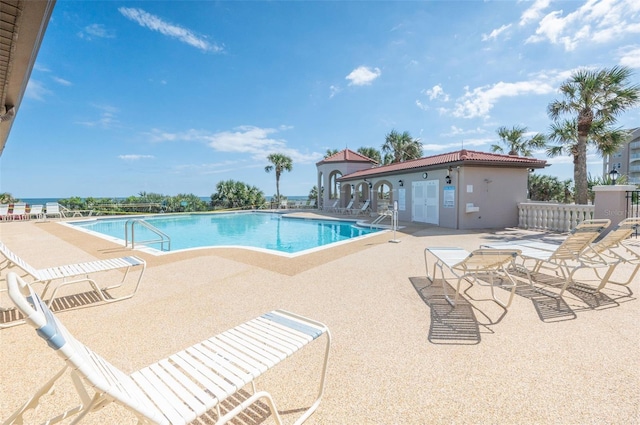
pixel 33 402
pixel 606 279
pixel 248 402
pixel 445 283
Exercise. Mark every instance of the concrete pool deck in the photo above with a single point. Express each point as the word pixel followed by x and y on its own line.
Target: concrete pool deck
pixel 400 355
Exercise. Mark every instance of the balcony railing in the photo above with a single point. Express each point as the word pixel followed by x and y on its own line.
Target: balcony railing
pixel 554 217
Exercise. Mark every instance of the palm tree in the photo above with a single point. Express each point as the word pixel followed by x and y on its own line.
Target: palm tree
pixel 331 152
pixel 401 147
pixel 372 153
pixel 236 194
pixel 593 97
pixel 605 140
pixel 280 163
pixel 7 198
pixel 514 139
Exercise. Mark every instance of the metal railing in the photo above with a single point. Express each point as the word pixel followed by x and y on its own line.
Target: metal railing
pixel 164 238
pixel 550 216
pixel 633 205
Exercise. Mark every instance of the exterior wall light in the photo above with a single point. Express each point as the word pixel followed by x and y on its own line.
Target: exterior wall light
pixel 401 183
pixel 613 174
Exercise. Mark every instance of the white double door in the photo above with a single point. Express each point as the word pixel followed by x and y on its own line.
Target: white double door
pixel 424 207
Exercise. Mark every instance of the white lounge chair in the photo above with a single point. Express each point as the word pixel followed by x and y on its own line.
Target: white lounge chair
pixel 19 211
pixel 36 211
pixel 613 248
pixel 567 258
pixel 488 267
pixel 71 274
pixel 4 212
pixel 346 209
pixel 332 207
pixel 182 387
pixel 360 211
pixel 53 210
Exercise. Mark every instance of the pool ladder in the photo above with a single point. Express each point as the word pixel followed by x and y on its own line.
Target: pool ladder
pixel 163 237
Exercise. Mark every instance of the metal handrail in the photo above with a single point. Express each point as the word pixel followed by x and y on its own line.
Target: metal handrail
pixel 163 236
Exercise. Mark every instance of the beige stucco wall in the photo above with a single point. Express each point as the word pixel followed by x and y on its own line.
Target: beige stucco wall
pixel 611 203
pixel 324 172
pixel 496 192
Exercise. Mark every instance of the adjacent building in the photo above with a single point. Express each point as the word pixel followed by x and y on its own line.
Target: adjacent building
pixel 627 160
pixel 464 189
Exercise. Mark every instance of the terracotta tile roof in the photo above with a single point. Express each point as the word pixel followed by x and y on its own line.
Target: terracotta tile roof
pixel 461 157
pixel 346 155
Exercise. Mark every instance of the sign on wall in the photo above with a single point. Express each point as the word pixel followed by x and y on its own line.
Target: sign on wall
pixel 449 196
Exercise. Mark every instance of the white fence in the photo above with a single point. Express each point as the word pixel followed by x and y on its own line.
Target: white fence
pixel 554 217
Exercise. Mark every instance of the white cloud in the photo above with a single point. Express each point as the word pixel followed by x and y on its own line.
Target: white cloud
pixel 217 167
pixel 363 76
pixel 95 30
pixel 495 33
pixel 254 141
pixel 597 21
pixel 62 81
pixel 246 139
pixel 155 23
pixel 630 57
pixel 443 147
pixel 534 12
pixel 107 118
pixel 334 90
pixel 36 90
pixel 479 101
pixel 436 92
pixel 40 67
pixel 421 105
pixel 135 157
pixel 455 131
pixel 474 143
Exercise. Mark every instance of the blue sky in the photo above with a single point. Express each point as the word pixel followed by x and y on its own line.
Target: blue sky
pixel 174 96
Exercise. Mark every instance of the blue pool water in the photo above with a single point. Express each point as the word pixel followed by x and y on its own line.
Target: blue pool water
pixel 256 230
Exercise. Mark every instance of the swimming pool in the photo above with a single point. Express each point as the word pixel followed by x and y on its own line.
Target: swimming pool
pixel 259 231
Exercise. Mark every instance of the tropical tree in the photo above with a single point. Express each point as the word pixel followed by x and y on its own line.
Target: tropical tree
pixel 400 147
pixel 279 163
pixel 549 188
pixel 331 152
pixel 188 202
pixel 313 193
pixel 235 194
pixel 372 153
pixel 514 139
pixel 7 198
pixel 605 140
pixel 603 181
pixel 593 98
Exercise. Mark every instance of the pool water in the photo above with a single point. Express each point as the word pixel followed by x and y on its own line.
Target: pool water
pixel 268 231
